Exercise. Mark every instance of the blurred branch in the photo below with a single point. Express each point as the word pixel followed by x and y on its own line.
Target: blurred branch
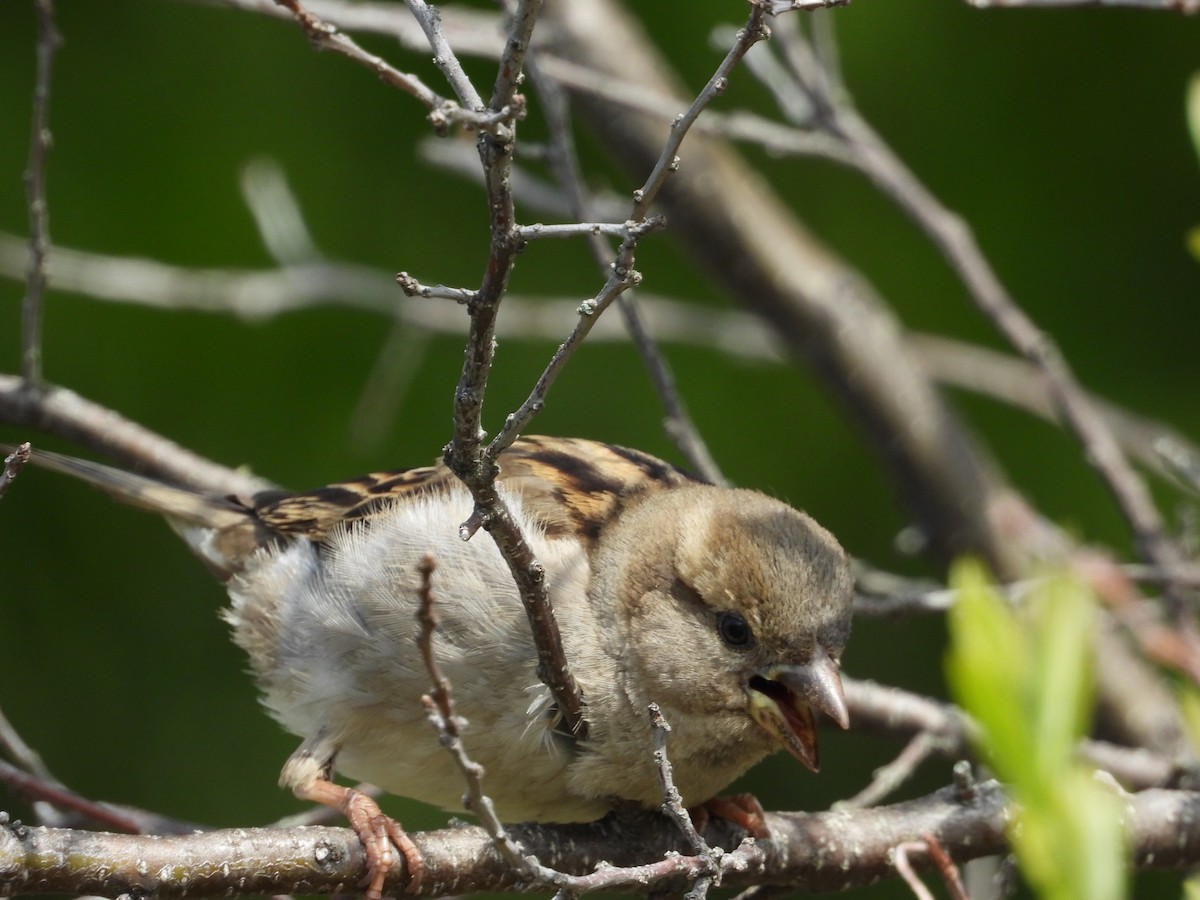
pixel 61 412
pixel 1182 6
pixel 939 728
pixel 836 115
pixel 263 293
pixel 1018 383
pixel 306 281
pixel 48 41
pixel 751 245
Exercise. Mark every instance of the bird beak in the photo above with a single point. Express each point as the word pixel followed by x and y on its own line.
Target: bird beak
pixel 783 700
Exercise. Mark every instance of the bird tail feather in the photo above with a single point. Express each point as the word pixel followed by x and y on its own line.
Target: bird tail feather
pixel 181 505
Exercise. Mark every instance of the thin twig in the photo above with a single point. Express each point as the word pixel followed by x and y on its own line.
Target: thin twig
pixel 13 463
pixel 779 7
pixel 29 776
pixel 905 869
pixel 946 867
pixel 442 112
pixel 106 815
pixel 439 706
pixel 564 161
pixel 48 41
pixel 511 70
pixel 672 800
pixel 624 275
pixel 414 288
pixel 889 778
pixel 583 229
pixel 949 732
pixel 673 807
pixel 444 56
pixel 751 33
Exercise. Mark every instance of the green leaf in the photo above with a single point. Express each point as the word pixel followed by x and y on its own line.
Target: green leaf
pixel 1025 674
pixel 1192 239
pixel 987 658
pixel 1192 110
pixel 1061 690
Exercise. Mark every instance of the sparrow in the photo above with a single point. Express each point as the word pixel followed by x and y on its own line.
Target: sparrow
pixel 727 608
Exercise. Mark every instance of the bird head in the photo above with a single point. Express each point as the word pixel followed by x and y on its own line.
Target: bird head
pixel 740 615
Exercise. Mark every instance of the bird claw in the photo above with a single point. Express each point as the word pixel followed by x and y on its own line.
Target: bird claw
pixel 379 834
pixel 742 810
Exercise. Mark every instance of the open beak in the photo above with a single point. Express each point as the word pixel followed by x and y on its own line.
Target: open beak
pixel 783 700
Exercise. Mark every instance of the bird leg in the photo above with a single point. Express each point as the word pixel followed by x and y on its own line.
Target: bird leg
pixel 742 810
pixel 307 774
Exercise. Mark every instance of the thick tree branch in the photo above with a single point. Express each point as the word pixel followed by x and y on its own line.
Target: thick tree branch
pixel 808 851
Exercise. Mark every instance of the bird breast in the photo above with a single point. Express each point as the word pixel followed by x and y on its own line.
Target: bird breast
pixel 331 632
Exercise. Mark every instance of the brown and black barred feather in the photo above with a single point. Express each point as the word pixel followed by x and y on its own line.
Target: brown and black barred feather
pixel 573 486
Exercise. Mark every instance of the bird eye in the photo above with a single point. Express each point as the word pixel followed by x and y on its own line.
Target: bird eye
pixel 733 630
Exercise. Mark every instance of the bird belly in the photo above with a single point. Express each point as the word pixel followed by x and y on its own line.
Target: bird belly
pixel 331 631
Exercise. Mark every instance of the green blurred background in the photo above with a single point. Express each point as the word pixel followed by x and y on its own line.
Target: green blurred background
pixel 1058 134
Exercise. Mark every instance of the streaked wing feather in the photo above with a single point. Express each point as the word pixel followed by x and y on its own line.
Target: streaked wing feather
pixel 572 486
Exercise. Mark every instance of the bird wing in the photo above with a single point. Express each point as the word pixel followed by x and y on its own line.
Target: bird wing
pixel 571 486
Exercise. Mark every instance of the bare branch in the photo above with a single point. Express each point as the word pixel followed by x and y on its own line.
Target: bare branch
pixel 13 463
pixel 947 731
pixel 672 800
pixel 48 41
pixel 263 293
pixel 442 112
pixel 953 237
pixel 748 243
pixel 61 412
pixel 1187 7
pixel 565 163
pixel 889 778
pixel 810 851
pixel 778 7
pixel 1015 381
pixel 414 288
pixel 900 857
pixel 464 454
pixel 439 706
pixel 584 229
pixel 624 275
pixel 444 56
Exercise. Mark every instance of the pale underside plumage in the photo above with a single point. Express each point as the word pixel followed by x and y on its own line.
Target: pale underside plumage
pixel 340 656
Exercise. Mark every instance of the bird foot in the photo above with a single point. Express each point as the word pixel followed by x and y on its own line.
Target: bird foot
pixel 742 810
pixel 379 834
